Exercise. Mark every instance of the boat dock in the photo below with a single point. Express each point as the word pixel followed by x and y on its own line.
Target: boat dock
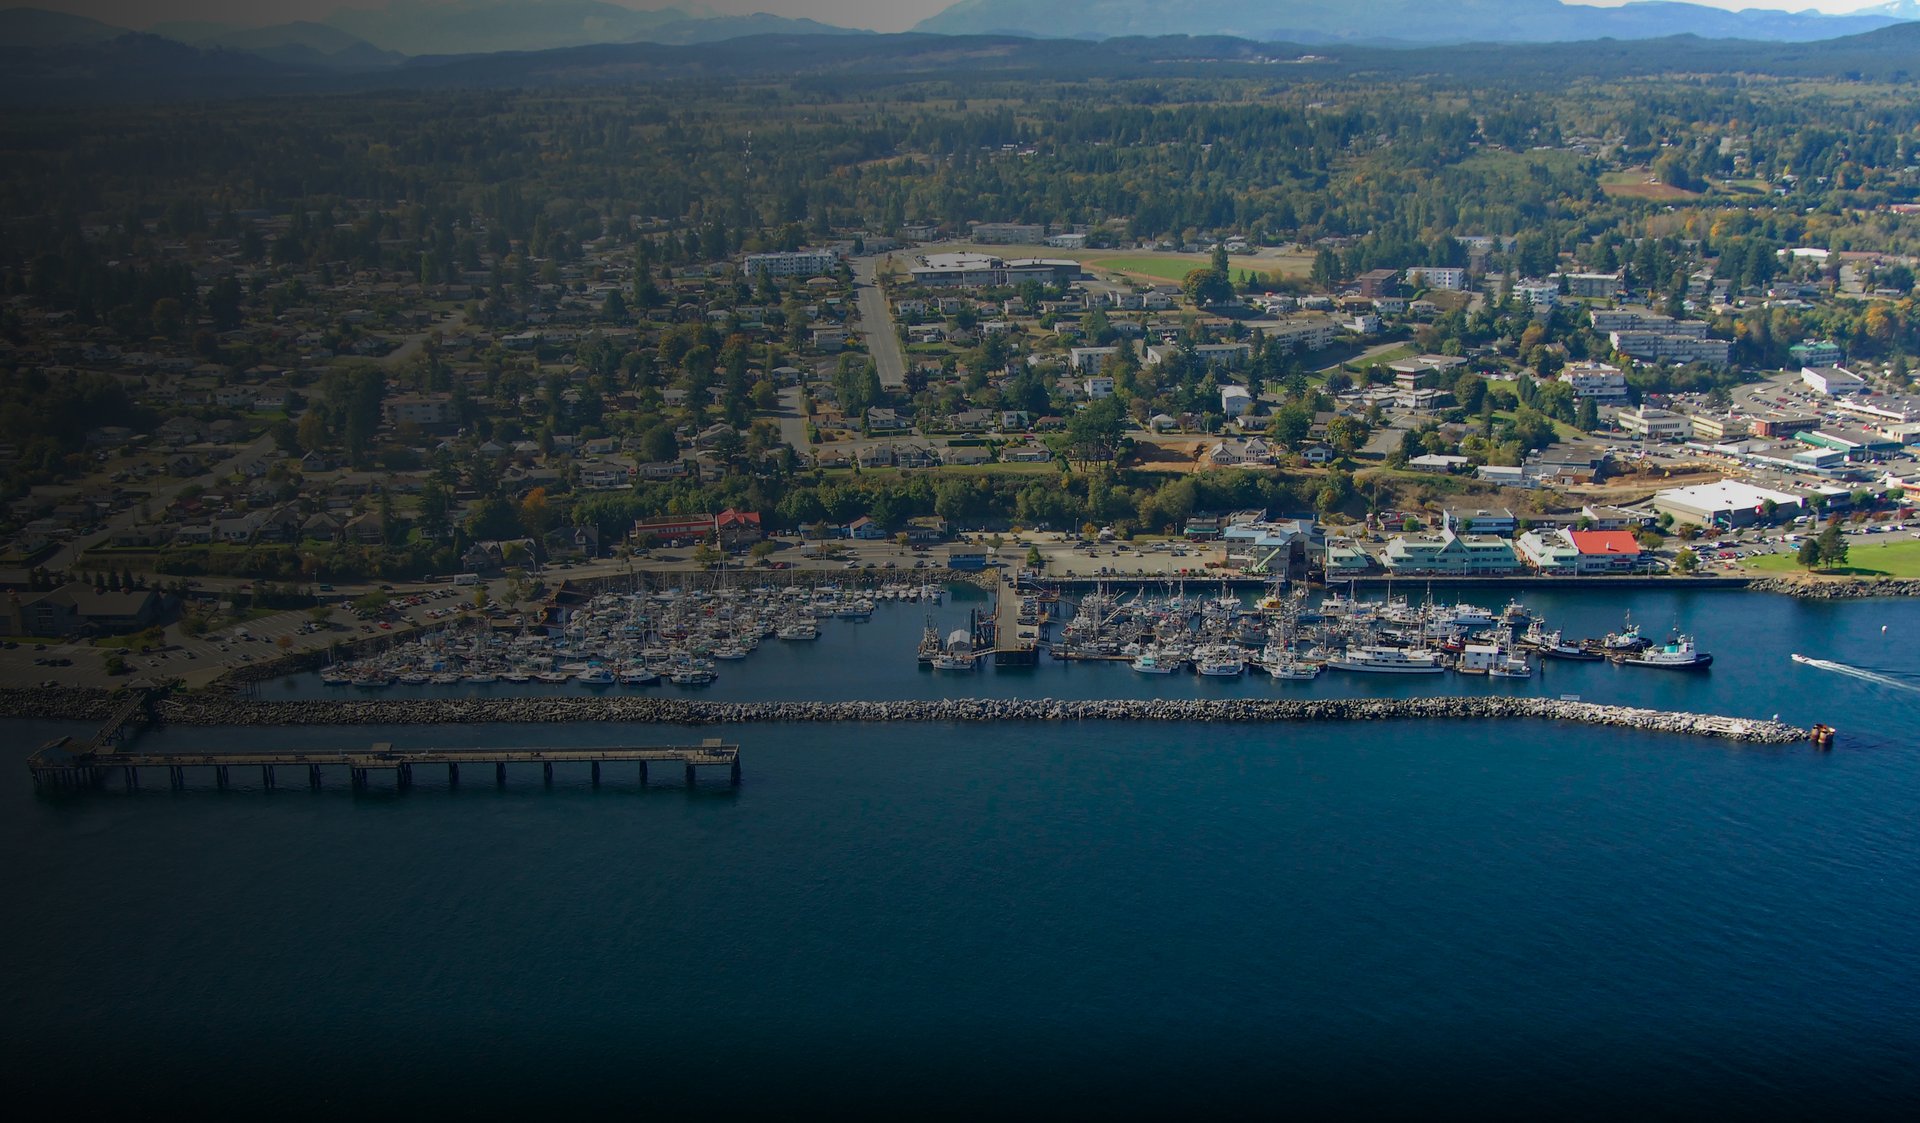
pixel 69 764
pixel 1009 648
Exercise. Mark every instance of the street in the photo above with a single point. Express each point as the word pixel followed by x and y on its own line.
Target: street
pixel 877 326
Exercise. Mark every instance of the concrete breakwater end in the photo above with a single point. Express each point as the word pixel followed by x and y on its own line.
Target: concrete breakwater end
pixel 213 710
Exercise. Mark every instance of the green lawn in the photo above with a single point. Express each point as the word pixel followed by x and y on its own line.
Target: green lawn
pixel 1894 559
pixel 1168 267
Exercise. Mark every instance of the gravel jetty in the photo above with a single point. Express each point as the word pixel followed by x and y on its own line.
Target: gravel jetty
pixel 216 710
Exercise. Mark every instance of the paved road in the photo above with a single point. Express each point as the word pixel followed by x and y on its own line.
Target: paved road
pixel 792 417
pixel 876 324
pixel 413 344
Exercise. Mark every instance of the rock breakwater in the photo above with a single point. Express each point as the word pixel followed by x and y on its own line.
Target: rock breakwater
pixel 1815 589
pixel 215 710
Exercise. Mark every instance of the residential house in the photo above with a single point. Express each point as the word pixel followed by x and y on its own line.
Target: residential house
pixel 882 419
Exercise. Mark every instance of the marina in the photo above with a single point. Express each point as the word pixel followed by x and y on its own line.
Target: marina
pixel 1292 637
pixel 677 636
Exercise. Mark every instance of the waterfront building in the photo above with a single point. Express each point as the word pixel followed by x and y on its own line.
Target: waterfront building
pixel 1449 553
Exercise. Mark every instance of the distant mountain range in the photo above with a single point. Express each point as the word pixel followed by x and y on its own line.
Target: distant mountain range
pixel 1397 21
pixel 49 57
pixel 373 39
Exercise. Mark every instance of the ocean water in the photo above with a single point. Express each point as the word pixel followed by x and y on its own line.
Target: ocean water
pixel 1496 919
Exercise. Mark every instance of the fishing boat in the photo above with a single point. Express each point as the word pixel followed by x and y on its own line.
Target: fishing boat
pixel 1627 640
pixel 1553 645
pixel 1376 659
pixel 929 643
pixel 594 676
pixel 948 661
pixel 1219 661
pixel 692 676
pixel 1151 662
pixel 1289 669
pixel 637 676
pixel 1679 654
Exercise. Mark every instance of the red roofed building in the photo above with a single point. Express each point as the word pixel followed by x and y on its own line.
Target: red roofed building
pixel 738 528
pixel 1603 551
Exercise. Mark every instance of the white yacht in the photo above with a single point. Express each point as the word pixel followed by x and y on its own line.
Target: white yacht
pixel 1388 661
pixel 595 676
pixel 1219 661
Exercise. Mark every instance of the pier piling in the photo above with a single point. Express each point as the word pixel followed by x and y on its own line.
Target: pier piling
pixel 59 765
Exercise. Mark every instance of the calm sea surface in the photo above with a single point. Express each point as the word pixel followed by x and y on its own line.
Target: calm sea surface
pixel 1409 918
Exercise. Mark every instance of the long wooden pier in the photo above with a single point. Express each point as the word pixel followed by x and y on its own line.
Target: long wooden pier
pixel 67 764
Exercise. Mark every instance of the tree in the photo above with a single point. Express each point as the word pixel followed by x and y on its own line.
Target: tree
pixel 1809 555
pixel 536 515
pixel 1686 561
pixel 1204 287
pixel 1587 417
pixel 705 556
pixel 1290 424
pixel 1833 546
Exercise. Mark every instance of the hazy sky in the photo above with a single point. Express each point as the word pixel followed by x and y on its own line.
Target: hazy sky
pixel 880 15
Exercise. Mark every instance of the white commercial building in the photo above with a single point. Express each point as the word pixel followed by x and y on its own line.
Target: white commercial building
pixel 1602 382
pixel 1832 381
pixel 1437 277
pixel 800 263
pixel 1092 359
pixel 1729 503
pixel 1653 424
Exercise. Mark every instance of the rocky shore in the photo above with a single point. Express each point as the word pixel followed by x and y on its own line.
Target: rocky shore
pixel 1850 589
pixel 214 710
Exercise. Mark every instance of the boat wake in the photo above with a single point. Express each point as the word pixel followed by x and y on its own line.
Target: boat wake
pixel 1856 672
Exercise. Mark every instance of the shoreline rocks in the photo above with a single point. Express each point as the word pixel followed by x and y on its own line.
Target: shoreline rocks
pixel 1810 588
pixel 215 710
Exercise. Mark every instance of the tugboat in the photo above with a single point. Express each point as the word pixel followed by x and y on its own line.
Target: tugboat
pixel 1677 655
